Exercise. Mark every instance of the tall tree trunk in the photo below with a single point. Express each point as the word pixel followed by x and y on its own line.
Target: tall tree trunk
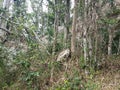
pixel 110 32
pixel 85 31
pixel 95 30
pixel 56 21
pixel 55 32
pixel 73 38
pixel 90 49
pixel 67 21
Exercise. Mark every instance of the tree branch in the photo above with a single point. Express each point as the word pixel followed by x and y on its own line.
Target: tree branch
pixel 5 30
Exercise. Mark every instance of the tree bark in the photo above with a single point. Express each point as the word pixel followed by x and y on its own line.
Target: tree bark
pixel 73 38
pixel 55 29
pixel 67 21
pixel 85 32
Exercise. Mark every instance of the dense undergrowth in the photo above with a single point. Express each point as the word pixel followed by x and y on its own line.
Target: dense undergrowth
pixel 33 71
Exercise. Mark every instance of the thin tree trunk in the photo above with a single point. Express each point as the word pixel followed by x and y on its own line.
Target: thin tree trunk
pixel 56 22
pixel 85 32
pixel 96 48
pixel 90 49
pixel 67 21
pixel 110 32
pixel 55 33
pixel 73 38
pixel 95 17
pixel 110 43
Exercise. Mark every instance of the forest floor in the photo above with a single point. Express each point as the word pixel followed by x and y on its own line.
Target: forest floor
pixel 109 75
pixel 106 78
pixel 72 77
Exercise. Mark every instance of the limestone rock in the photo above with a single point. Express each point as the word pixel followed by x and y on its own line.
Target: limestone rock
pixel 63 55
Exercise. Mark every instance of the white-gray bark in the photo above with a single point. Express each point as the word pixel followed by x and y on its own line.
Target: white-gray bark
pixel 85 32
pixel 73 32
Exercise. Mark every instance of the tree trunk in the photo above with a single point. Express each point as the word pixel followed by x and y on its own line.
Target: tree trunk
pixel 67 22
pixel 110 42
pixel 56 21
pixel 73 38
pixel 90 48
pixel 85 32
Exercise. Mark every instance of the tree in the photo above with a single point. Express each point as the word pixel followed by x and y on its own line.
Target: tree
pixel 73 31
pixel 56 21
pixel 67 22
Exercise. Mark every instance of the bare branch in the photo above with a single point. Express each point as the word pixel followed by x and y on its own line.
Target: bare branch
pixel 5 30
